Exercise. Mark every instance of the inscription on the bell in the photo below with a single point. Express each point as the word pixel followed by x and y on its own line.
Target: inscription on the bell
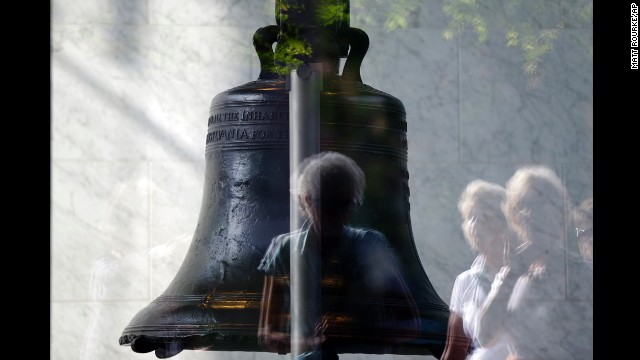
pixel 246 134
pixel 229 116
pixel 245 115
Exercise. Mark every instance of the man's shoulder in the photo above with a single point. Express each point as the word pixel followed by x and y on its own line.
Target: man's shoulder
pixel 281 242
pixel 276 257
pixel 368 241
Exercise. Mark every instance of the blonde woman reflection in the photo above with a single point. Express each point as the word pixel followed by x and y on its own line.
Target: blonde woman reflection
pixel 363 296
pixel 485 228
pixel 531 298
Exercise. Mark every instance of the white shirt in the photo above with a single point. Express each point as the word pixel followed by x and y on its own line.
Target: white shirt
pixel 469 291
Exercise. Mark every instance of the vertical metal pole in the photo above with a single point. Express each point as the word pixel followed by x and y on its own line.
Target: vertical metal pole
pixel 304 136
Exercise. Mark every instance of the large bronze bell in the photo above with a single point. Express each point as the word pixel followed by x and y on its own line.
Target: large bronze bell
pixel 213 303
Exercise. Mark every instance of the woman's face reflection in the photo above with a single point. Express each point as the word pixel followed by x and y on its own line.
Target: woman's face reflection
pixel 490 235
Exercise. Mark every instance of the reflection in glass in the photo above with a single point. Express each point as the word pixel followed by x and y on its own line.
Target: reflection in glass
pixel 351 276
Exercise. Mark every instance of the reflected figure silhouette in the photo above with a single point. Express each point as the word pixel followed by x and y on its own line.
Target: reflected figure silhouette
pixel 532 298
pixel 487 232
pixel 362 294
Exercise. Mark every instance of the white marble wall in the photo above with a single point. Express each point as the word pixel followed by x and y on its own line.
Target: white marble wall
pixel 132 82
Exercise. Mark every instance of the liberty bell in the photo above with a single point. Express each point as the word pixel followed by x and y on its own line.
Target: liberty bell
pixel 213 303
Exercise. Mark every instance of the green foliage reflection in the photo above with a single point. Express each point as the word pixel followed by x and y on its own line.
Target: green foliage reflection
pixel 330 13
pixel 532 26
